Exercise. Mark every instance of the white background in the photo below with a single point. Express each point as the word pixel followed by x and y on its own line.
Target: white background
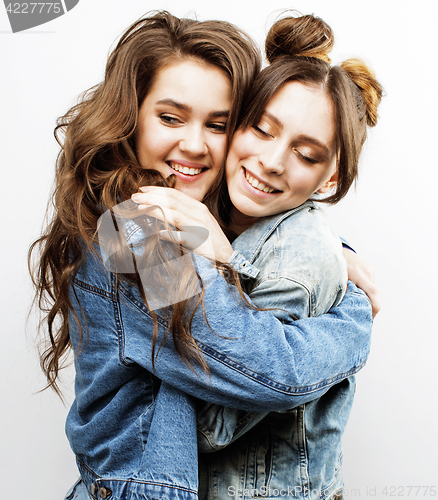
pixel 390 219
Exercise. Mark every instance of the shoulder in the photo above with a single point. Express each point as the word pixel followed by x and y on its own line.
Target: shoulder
pixel 303 237
pixel 303 249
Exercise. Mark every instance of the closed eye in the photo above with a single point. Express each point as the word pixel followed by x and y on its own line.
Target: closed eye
pixel 262 132
pixel 307 159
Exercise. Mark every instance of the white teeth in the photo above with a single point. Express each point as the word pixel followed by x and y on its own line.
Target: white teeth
pixel 258 185
pixel 185 170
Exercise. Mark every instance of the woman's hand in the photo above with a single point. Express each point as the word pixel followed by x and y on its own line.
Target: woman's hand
pixel 362 275
pixel 198 230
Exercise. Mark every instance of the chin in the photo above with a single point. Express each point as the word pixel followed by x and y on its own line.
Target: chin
pixel 248 211
pixel 193 193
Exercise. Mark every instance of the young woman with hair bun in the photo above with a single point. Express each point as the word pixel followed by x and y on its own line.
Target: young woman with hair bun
pixel 298 145
pixel 164 115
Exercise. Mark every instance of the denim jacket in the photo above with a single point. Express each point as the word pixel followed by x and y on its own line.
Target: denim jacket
pixel 296 264
pixel 132 426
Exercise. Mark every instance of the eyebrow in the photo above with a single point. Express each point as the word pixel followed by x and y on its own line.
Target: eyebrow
pixel 312 140
pixel 304 138
pixel 273 118
pixel 185 107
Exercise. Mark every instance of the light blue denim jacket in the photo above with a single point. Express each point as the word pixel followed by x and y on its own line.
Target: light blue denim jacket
pixel 132 426
pixel 296 264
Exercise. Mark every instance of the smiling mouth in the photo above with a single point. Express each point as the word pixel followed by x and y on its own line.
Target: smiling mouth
pixel 256 184
pixel 185 170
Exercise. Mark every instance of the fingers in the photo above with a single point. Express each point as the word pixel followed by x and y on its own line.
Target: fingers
pixel 172 236
pixel 362 274
pixel 366 284
pixel 160 199
pixel 174 211
pixel 172 198
pixel 189 215
pixel 374 296
pixel 169 208
pixel 166 215
pixel 177 207
pixel 190 237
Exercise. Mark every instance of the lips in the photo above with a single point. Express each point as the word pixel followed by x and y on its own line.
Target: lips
pixel 186 168
pixel 258 184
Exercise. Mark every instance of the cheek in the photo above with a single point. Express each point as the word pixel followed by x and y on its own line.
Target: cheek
pixel 241 148
pixel 245 145
pixel 152 143
pixel 232 165
pixel 218 148
pixel 302 179
pixel 309 182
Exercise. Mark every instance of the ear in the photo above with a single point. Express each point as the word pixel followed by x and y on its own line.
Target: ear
pixel 329 185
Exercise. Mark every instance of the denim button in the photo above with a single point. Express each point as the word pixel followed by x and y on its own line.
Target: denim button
pixel 93 489
pixel 104 492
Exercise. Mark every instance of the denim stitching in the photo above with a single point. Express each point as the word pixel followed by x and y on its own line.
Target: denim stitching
pixel 92 289
pixel 281 388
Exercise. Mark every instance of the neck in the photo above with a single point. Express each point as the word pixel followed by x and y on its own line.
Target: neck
pixel 239 222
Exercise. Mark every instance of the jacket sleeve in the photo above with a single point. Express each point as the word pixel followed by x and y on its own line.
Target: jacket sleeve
pixel 256 362
pixel 293 292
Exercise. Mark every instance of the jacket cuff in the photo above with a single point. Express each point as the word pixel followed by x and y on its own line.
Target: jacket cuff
pixel 238 262
pixel 347 245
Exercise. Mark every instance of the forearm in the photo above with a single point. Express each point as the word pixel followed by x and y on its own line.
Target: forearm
pixel 299 297
pixel 255 361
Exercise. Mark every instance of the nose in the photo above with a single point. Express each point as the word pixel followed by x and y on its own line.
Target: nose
pixel 273 158
pixel 193 142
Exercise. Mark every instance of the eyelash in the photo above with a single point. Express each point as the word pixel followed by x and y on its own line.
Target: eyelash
pixel 261 131
pixel 169 120
pixel 307 159
pixel 219 128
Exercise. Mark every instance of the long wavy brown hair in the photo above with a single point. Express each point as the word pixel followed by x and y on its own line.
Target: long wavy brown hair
pixel 97 167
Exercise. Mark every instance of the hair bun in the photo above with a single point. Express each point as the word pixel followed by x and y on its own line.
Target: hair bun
pixel 371 90
pixel 307 36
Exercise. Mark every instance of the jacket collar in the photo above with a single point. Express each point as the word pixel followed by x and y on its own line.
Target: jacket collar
pixel 251 241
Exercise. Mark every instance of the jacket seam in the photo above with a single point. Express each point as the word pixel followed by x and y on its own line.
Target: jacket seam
pixel 331 300
pixel 303 451
pixel 238 367
pixel 262 380
pixel 131 480
pixel 93 289
pixel 310 293
pixel 281 388
pixel 140 306
pixel 208 435
pixel 119 323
